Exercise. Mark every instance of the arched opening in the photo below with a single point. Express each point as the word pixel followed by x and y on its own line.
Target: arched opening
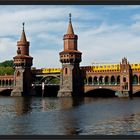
pixel 135 79
pixel 66 71
pixel 10 82
pixel 85 81
pixel 106 80
pixel 95 80
pixel 112 80
pixel 101 93
pixel 118 80
pixel 50 80
pixel 136 94
pixel 90 80
pixel 18 74
pixel 3 83
pixel 6 92
pixel 6 82
pixel 49 88
pixel 101 80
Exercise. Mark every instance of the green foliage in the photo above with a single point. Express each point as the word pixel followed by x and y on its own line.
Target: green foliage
pixel 6 67
pixel 51 80
pixel 7 63
pixel 55 81
pixel 6 70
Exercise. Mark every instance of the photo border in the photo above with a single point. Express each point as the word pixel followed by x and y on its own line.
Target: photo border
pixel 70 2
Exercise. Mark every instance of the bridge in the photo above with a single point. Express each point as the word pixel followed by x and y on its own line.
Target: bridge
pixel 95 77
pixel 123 79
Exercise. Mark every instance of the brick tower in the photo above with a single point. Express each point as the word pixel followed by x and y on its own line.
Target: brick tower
pixel 22 66
pixel 125 78
pixel 70 57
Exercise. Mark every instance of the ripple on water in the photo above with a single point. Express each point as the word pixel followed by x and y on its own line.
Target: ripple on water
pixel 129 125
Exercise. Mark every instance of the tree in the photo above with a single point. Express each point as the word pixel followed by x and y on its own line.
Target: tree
pixel 7 63
pixel 6 67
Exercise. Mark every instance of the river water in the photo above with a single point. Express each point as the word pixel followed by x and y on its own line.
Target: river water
pixel 69 116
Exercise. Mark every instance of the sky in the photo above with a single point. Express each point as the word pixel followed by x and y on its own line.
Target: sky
pixel 106 33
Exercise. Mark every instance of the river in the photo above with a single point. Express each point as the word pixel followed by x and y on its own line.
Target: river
pixel 69 116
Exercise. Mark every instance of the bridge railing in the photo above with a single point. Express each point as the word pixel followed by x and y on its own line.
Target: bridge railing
pixel 96 84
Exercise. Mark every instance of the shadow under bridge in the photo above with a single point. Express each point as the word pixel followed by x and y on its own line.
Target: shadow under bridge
pixel 47 85
pixel 101 92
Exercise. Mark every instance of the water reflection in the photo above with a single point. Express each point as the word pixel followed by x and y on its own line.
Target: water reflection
pixel 71 120
pixel 22 105
pixel 69 116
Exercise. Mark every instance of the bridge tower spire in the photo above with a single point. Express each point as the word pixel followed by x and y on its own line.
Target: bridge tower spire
pixel 22 66
pixel 70 57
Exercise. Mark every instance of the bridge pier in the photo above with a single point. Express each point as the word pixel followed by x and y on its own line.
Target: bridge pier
pixel 16 92
pixel 123 94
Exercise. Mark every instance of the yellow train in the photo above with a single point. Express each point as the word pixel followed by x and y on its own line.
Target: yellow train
pixel 51 70
pixel 46 70
pixel 94 68
pixel 109 67
pixel 135 66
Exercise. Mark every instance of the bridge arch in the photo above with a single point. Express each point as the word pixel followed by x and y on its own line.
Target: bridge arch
pixel 7 82
pixel 50 79
pixel 90 80
pixel 118 79
pixel 101 80
pixel 85 81
pixel 5 92
pixel 135 79
pixel 136 93
pixel 101 92
pixel 3 82
pixel 106 80
pixel 112 80
pixel 95 80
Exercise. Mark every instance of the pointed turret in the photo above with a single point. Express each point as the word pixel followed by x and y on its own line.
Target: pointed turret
pixel 23 35
pixel 23 44
pixel 70 28
pixel 70 39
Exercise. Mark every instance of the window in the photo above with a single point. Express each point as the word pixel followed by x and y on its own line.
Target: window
pixel 66 70
pixel 18 73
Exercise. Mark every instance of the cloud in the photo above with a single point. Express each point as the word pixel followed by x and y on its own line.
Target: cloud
pixel 7 49
pixel 46 58
pixel 112 45
pixel 100 39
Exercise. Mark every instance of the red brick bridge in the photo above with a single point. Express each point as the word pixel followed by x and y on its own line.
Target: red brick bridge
pixel 125 79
